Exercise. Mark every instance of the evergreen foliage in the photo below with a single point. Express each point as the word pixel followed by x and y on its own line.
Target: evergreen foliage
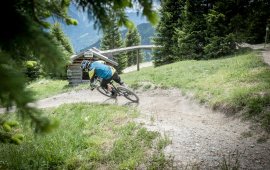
pixel 208 29
pixel 63 44
pixel 112 39
pixel 101 10
pixel 133 38
pixel 24 37
pixel 60 37
pixel 166 36
pixel 146 31
pixel 246 19
pixel 32 70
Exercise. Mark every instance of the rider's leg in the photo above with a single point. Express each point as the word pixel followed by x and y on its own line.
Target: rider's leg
pixel 106 84
pixel 117 78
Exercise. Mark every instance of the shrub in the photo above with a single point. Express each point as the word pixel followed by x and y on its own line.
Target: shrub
pixel 32 69
pixel 190 45
pixel 220 46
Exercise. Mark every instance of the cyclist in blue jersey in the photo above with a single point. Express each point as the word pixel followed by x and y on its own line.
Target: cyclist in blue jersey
pixel 101 70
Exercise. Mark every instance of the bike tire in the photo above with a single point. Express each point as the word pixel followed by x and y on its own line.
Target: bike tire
pixel 104 91
pixel 128 94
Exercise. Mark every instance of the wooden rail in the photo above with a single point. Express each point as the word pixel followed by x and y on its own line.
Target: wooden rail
pixel 132 48
pixel 102 54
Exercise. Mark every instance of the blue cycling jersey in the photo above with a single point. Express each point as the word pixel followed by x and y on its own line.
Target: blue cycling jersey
pixel 101 70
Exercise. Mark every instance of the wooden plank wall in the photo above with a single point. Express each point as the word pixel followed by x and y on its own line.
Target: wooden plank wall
pixel 74 72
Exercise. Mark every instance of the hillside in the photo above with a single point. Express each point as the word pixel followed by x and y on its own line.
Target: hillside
pixel 84 34
pixel 146 31
pixel 230 84
pixel 197 133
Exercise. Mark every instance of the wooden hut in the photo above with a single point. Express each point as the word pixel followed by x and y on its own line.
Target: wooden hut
pixel 76 75
pixel 74 72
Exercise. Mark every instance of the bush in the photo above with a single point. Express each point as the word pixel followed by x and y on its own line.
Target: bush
pixel 220 46
pixel 190 45
pixel 32 70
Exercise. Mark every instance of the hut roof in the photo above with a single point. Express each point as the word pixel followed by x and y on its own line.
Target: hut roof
pixel 96 53
pixel 101 54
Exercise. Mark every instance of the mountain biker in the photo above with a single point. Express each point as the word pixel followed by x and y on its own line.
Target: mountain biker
pixel 100 69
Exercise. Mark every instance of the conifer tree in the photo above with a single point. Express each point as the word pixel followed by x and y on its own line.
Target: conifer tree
pixel 191 34
pixel 60 37
pixel 166 37
pixel 24 36
pixel 112 39
pixel 63 43
pixel 133 38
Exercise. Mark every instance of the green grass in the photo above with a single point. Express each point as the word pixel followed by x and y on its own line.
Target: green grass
pixel 232 84
pixel 43 88
pixel 239 83
pixel 89 137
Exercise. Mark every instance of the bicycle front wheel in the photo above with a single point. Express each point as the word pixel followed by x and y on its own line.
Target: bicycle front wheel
pixel 104 91
pixel 128 94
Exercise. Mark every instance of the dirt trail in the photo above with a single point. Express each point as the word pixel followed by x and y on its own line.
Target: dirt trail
pixel 199 135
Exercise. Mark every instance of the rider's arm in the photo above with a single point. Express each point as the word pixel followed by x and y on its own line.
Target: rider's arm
pixel 92 77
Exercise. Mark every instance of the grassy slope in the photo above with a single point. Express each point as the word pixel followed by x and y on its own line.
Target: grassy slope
pixel 237 83
pixel 43 88
pixel 231 84
pixel 89 137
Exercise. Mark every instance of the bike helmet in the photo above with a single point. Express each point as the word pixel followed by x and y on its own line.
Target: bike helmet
pixel 85 64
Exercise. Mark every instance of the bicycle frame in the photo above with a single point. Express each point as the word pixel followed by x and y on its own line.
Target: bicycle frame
pixel 120 91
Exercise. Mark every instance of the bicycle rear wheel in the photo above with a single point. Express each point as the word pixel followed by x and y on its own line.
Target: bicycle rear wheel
pixel 128 94
pixel 104 91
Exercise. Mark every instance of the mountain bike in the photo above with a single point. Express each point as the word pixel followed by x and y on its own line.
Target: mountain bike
pixel 119 90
